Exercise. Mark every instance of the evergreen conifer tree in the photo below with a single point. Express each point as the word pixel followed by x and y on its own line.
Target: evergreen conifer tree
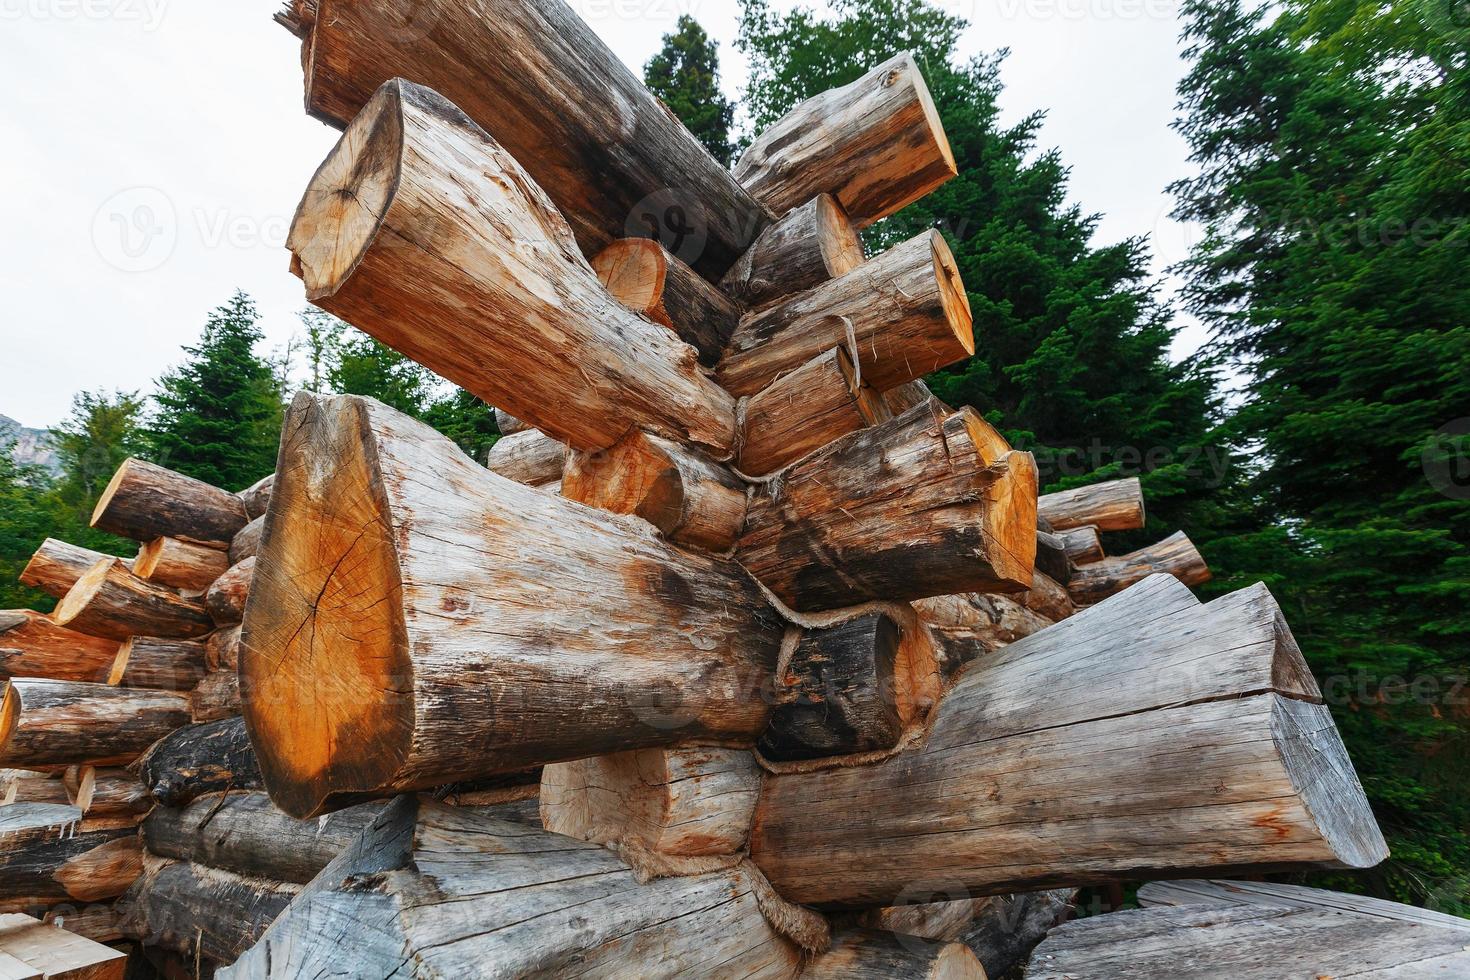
pixel 685 74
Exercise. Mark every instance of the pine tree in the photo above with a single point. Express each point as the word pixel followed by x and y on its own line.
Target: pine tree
pixel 363 366
pixel 26 519
pixel 102 431
pixel 219 413
pixel 685 74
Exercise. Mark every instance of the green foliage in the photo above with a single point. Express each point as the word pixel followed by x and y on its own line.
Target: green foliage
pixel 218 415
pixel 1333 141
pixel 101 432
pixel 685 74
pixel 465 419
pixel 363 366
pixel 27 517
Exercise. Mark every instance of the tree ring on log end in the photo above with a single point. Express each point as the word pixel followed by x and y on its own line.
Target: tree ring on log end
pixel 80 594
pixel 9 713
pixel 952 294
pixel 840 244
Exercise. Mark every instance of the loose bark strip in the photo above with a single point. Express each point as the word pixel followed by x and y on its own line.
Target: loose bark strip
pixel 44 951
pixel 645 278
pixel 836 695
pixel 201 913
pixel 200 759
pixel 443 603
pixel 508 424
pixel 110 601
pixel 925 504
pixel 180 564
pixel 1270 894
pixel 247 542
pixel 693 801
pixel 216 698
pixel 404 232
pixel 105 793
pixel 56 566
pixel 1083 544
pixel 66 723
pixel 1176 555
pixel 32 645
pixel 145 501
pixel 813 406
pixel 225 599
pixel 690 499
pixel 164 665
pixel 867 954
pixel 1113 506
pixel 529 457
pixel 908 315
pixel 811 245
pixel 876 145
pixel 611 157
pixel 1150 747
pixel 48 854
pixel 222 650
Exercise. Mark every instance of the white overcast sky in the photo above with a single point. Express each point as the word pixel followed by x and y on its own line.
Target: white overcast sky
pixel 153 151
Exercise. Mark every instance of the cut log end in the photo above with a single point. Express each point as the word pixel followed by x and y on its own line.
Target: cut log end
pixel 76 600
pixel 841 246
pixel 634 271
pixel 952 294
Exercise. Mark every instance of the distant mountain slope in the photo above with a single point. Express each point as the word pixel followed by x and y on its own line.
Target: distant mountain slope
pixel 29 445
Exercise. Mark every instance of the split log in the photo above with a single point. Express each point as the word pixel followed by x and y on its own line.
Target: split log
pixel 200 759
pixel 1270 894
pixel 448 607
pixel 1083 544
pixel 925 504
pixel 180 564
pixel 867 954
pixel 811 245
pixel 56 566
pixel 403 233
pixel 906 314
pixel 225 599
pixel 611 157
pixel 201 913
pixel 836 693
pixel 1151 747
pixel 690 499
pixel 247 542
pixel 451 889
pixel 508 424
pixel 27 786
pixel 529 457
pixel 48 854
pixel 104 793
pixel 645 278
pixel 222 649
pixel 673 801
pixel 1052 559
pixel 66 723
pixel 145 501
pixel 1176 555
pixel 32 645
pixel 1247 943
pixel 216 697
pixel 1113 506
pixel 257 497
pixel 877 145
pixel 813 406
pixel 110 601
pixel 45 952
pixel 163 665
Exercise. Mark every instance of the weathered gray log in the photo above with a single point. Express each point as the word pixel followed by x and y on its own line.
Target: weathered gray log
pixel 247 542
pixel 870 954
pixel 32 645
pixel 1270 894
pixel 180 564
pixel 876 145
pixel 67 723
pixel 111 602
pixel 448 607
pixel 1113 506
pixel 56 566
pixel 49 854
pixel 146 501
pixel 201 913
pixel 1176 555
pixel 642 275
pixel 530 457
pixel 404 233
pixel 508 424
pixel 1052 559
pixel 216 697
pixel 1083 544
pixel 226 597
pixel 163 665
pixel 925 504
pixel 809 246
pixel 200 759
pixel 33 950
pixel 1151 746
pixel 257 496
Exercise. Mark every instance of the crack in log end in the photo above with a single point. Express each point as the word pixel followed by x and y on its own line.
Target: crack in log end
pixel 9 714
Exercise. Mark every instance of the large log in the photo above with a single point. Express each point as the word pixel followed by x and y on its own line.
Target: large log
pixel 405 232
pixel 690 498
pixel 257 496
pixel 247 542
pixel 528 457
pixel 645 278
pixel 614 160
pixel 1113 506
pixel 180 564
pixel 66 723
pixel 1271 894
pixel 868 954
pixel 32 645
pixel 925 504
pixel 163 665
pixel 45 952
pixel 146 501
pixel 1176 555
pixel 201 913
pixel 448 606
pixel 809 246
pixel 48 854
pixel 1169 736
pixel 215 698
pixel 225 600
pixel 200 759
pixel 110 601
pixel 876 145
pixel 106 793
pixel 904 314
pixel 56 566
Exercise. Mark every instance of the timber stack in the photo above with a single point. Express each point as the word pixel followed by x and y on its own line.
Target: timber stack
pixel 741 655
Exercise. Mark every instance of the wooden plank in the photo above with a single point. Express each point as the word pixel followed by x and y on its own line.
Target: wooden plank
pixel 55 953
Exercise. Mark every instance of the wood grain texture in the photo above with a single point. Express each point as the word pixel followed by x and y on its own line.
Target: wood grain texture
pixel 180 564
pixel 200 759
pixel 1052 558
pixel 66 723
pixel 1083 544
pixel 529 457
pixel 974 625
pixel 1002 930
pixel 48 854
pixel 1116 505
pixel 870 954
pixel 1271 894
pixel 876 145
pixel 247 542
pixel 1176 555
pixel 222 649
pixel 109 601
pixel 257 496
pixel 146 501
pixel 28 786
pixel 508 424
pixel 1047 598
pixel 642 275
pixel 417 620
pixel 106 793
pixel 199 912
pixel 51 953
pixel 216 697
pixel 163 665
pixel 56 566
pixel 406 232
pixel 812 244
pixel 32 645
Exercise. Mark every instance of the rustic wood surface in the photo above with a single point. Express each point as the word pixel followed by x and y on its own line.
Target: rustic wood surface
pixel 216 697
pixel 257 496
pixel 180 564
pixel 869 954
pixel 199 759
pixel 225 600
pixel 56 566
pixel 164 665
pixel 645 278
pixel 199 912
pixel 247 542
pixel 146 501
pixel 106 793
pixel 812 244
pixel 1052 558
pixel 110 601
pixel 1116 505
pixel 528 457
pixel 49 953
pixel 1047 598
pixel 65 723
pixel 1176 555
pixel 1001 929
pixel 508 424
pixel 1172 894
pixel 48 854
pixel 222 649
pixel 32 645
pixel 973 625
pixel 29 786
pixel 1083 544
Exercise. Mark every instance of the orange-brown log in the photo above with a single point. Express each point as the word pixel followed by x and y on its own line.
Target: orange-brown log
pixel 158 664
pixel 222 649
pixel 55 724
pixel 52 855
pixel 110 601
pixel 530 457
pixel 56 566
pixel 32 645
pixel 42 951
pixel 103 793
pixel 811 245
pixel 870 954
pixel 146 501
pixel 1176 555
pixel 645 278
pixel 225 599
pixel 180 564
pixel 247 542
pixel 1083 544
pixel 1116 505
pixel 216 697
pixel 29 786
pixel 801 412
pixel 1047 597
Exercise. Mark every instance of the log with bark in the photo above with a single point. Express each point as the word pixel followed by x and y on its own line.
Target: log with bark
pixel 200 759
pixel 1048 598
pixel 1270 894
pixel 1083 544
pixel 180 564
pixel 1002 930
pixel 1176 555
pixel 925 504
pixel 1052 558
pixel 216 697
pixel 876 145
pixel 110 601
pixel 1113 506
pixel 49 854
pixel 257 496
pixel 508 424
pixel 30 948
pixel 690 498
pixel 247 542
pixel 642 275
pixel 404 232
pixel 146 501
pixel 870 954
pixel 222 649
pixel 529 457
pixel 32 645
pixel 225 600
pixel 1170 735
pixel 902 314
pixel 67 723
pixel 56 566
pixel 448 607
pixel 106 793
pixel 164 665
pixel 28 786
pixel 610 156
pixel 970 626
pixel 201 913
pixel 812 244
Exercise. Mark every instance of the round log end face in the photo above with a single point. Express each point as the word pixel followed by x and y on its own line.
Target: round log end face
pixel 1010 519
pixel 956 961
pixel 124 472
pixel 326 681
pixel 931 117
pixel 345 204
pixel 952 295
pixel 80 595
pixel 990 445
pixel 9 714
pixel 634 271
pixel 842 248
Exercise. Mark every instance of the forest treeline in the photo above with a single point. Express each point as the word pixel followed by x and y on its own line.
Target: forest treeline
pixel 1331 143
